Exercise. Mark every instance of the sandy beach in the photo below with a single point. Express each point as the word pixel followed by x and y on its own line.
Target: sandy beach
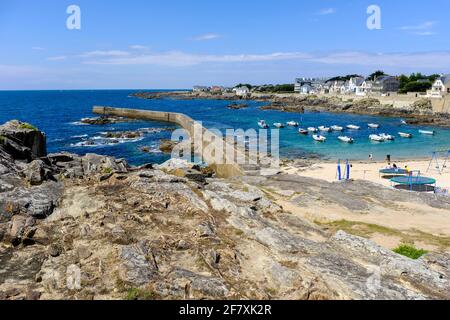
pixel 369 170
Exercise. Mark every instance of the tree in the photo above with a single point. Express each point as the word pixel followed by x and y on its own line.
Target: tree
pixel 404 80
pixel 416 86
pixel 344 78
pixel 376 74
pixel 244 85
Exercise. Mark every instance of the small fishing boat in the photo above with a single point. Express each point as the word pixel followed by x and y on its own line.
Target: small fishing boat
pixel 262 124
pixel 337 128
pixel 373 125
pixel 376 138
pixel 292 124
pixel 303 131
pixel 312 129
pixel 353 127
pixel 403 122
pixel 278 125
pixel 430 133
pixel 405 135
pixel 386 136
pixel 346 139
pixel 324 129
pixel 319 138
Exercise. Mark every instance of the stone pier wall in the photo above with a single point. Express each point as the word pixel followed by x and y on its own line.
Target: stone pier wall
pixel 187 123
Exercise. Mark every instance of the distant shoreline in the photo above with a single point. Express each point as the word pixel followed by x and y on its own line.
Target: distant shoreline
pixel 419 113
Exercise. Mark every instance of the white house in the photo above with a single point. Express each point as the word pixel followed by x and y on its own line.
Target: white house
pixel 242 91
pixel 200 89
pixel 440 87
pixel 354 83
pixel 337 87
pixel 365 88
pixel 306 89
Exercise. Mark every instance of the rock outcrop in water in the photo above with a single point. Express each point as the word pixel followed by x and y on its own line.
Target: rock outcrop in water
pixel 92 227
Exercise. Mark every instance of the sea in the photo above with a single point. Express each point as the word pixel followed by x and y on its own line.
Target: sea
pixel 58 114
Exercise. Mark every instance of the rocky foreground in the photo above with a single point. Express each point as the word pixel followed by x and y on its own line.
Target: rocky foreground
pixel 419 113
pixel 174 232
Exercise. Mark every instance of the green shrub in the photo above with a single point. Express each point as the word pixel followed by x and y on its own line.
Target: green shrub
pixel 28 126
pixel 107 170
pixel 410 251
pixel 2 139
pixel 140 294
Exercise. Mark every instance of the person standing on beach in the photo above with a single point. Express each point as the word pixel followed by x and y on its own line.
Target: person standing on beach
pixel 370 157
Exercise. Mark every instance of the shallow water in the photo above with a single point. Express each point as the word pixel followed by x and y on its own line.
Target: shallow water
pixel 57 113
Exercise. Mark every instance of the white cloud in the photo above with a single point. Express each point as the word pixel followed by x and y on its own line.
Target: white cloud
pixel 180 59
pixel 109 53
pixel 327 11
pixel 138 47
pixel 206 37
pixel 423 29
pixel 37 48
pixel 57 58
pixel 376 60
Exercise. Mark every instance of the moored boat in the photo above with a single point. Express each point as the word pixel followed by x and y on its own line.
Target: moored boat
pixel 303 131
pixel 386 136
pixel 312 129
pixel 324 129
pixel 427 132
pixel 293 124
pixel 346 139
pixel 405 135
pixel 373 125
pixel 319 138
pixel 278 125
pixel 353 127
pixel 337 128
pixel 262 124
pixel 376 138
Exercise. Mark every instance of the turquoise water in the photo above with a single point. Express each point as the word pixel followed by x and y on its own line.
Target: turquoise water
pixel 57 113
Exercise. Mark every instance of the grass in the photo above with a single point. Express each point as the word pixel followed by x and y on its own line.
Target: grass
pixel 410 251
pixel 367 230
pixel 140 294
pixel 2 139
pixel 28 126
pixel 107 170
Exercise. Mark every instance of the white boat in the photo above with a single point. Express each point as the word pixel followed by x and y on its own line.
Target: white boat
pixel 312 129
pixel 303 131
pixel 292 124
pixel 262 124
pixel 386 136
pixel 373 125
pixel 405 135
pixel 337 128
pixel 278 125
pixel 377 138
pixel 403 122
pixel 353 127
pixel 324 129
pixel 431 133
pixel 319 138
pixel 346 139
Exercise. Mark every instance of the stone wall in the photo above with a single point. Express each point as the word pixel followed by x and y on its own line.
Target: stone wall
pixel 222 170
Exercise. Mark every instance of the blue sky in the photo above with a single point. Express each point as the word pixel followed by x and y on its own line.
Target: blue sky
pixel 180 43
